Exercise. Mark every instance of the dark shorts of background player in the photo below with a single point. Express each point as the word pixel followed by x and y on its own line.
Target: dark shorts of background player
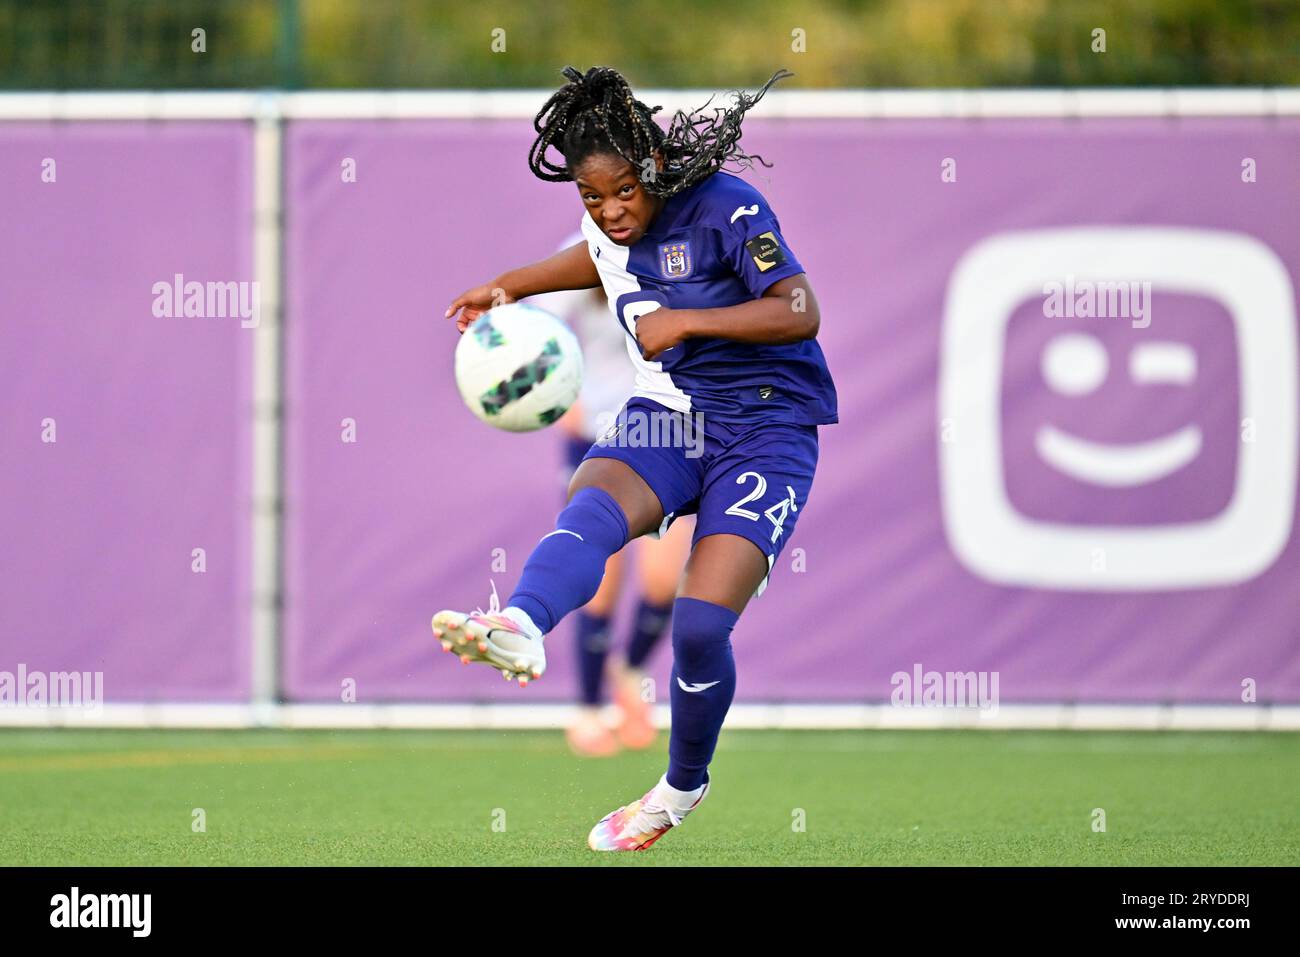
pixel 575 450
pixel 749 480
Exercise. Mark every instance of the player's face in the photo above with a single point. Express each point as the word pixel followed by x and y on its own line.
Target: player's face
pixel 615 197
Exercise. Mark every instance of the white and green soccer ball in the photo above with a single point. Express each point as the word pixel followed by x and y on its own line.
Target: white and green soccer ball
pixel 518 367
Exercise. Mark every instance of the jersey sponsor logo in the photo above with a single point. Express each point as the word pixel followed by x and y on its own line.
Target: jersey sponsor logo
pixel 766 251
pixel 765 392
pixel 744 211
pixel 675 260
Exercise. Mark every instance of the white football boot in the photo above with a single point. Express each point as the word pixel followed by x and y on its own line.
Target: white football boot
pixel 507 640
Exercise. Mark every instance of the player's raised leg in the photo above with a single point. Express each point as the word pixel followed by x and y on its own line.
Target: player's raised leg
pixel 608 504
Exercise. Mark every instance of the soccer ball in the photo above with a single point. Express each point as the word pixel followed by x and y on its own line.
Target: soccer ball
pixel 518 367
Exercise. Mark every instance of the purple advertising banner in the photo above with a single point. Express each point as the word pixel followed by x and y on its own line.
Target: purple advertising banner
pixel 1066 361
pixel 124 440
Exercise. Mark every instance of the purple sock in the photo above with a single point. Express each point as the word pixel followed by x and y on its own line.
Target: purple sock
pixel 593 648
pixel 703 684
pixel 647 630
pixel 565 569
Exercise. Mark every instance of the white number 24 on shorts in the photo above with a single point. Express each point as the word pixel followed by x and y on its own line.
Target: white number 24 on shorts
pixel 776 514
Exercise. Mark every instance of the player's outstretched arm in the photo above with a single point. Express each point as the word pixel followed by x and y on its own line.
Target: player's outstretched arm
pixel 570 268
pixel 786 312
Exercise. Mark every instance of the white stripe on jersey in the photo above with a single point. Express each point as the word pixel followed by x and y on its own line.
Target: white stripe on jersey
pixel 651 379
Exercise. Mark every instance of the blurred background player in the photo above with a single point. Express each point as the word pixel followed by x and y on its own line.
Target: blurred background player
pixel 609 379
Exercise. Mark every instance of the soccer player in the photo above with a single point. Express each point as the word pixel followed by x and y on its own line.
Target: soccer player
pixel 608 381
pixel 721 323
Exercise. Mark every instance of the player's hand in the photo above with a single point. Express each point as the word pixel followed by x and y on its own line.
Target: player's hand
pixel 472 303
pixel 659 331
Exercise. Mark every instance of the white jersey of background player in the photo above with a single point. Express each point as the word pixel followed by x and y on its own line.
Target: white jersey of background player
pixel 609 379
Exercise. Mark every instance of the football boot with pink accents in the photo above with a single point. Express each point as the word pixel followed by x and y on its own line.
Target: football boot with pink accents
pixel 493 637
pixel 641 823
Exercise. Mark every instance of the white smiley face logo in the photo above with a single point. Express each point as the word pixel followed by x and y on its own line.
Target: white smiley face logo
pixel 999 543
pixel 1076 364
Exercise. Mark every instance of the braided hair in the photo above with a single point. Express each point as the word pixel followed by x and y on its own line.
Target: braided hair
pixel 597 113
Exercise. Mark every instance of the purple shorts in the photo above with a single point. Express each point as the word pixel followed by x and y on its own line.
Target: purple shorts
pixel 746 480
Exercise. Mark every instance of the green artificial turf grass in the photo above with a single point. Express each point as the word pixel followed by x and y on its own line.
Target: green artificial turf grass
pixel 73 797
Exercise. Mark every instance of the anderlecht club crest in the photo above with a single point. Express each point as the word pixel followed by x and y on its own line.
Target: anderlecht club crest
pixel 675 260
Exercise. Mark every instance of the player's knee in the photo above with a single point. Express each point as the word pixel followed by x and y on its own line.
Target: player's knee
pixel 698 628
pixel 594 517
pixel 592 473
pixel 575 486
pixel 639 504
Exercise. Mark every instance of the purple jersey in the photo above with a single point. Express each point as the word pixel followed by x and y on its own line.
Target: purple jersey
pixel 713 245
